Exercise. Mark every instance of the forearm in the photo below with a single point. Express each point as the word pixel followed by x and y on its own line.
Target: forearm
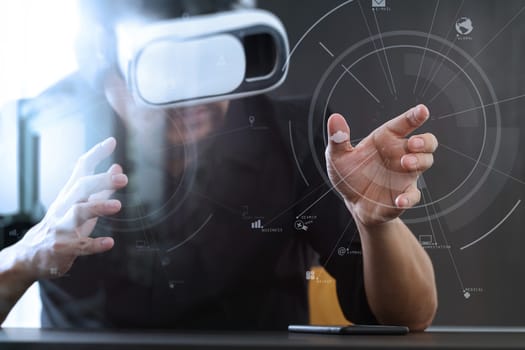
pixel 399 277
pixel 14 279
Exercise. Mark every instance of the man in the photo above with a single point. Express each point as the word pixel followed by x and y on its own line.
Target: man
pixel 203 235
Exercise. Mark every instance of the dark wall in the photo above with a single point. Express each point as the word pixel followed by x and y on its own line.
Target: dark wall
pixel 470 219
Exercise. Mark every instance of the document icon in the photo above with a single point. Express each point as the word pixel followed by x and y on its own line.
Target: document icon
pixel 378 3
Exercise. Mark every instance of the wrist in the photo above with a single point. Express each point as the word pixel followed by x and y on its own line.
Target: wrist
pixel 370 217
pixel 377 229
pixel 15 277
pixel 18 263
pixel 368 225
pixel 22 256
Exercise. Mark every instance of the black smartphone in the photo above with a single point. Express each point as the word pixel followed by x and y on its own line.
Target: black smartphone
pixel 358 329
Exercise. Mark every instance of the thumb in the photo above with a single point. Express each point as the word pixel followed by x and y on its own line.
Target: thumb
pixel 338 135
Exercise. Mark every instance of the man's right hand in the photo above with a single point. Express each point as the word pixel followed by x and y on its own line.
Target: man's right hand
pixel 50 248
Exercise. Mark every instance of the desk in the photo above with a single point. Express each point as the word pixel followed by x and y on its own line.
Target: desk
pixel 16 338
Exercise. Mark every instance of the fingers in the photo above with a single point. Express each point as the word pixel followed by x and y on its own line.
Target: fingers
pixel 417 162
pixel 90 210
pixel 409 121
pixel 115 169
pixel 338 134
pixel 87 163
pixel 420 149
pixel 90 246
pixel 105 194
pixel 90 185
pixel 89 160
pixel 82 212
pixel 95 187
pixel 409 198
pixel 425 143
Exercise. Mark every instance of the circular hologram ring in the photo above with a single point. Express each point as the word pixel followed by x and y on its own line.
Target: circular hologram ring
pixel 459 81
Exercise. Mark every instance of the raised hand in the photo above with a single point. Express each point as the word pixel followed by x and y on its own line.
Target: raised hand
pixel 378 177
pixel 51 247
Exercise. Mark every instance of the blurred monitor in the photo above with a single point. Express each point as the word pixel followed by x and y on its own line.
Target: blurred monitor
pixel 9 158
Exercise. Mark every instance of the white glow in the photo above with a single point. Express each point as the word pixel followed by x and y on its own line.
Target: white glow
pixel 55 170
pixel 26 312
pixel 37 45
pixel 36 50
pixel 9 159
pixel 340 137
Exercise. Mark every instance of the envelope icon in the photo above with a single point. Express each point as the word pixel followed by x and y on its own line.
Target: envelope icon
pixel 378 3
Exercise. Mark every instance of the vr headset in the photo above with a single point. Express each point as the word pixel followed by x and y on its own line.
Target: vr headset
pixel 202 59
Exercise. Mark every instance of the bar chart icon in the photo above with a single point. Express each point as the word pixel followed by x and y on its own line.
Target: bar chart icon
pixel 257 224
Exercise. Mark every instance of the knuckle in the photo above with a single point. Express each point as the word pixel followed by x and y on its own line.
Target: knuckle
pixel 59 246
pixel 58 230
pixel 97 207
pixel 380 133
pixel 83 246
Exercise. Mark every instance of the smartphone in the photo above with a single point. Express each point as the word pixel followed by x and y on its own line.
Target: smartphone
pixel 358 329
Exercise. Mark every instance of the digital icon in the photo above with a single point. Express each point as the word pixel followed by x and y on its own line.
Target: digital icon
pixel 426 239
pixel 310 275
pixel 378 3
pixel 257 224
pixel 342 251
pixel 464 26
pixel 251 120
pixel 299 225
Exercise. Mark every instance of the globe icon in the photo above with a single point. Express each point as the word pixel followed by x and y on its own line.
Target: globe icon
pixel 464 26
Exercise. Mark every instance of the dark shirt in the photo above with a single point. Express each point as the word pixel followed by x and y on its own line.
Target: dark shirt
pixel 198 258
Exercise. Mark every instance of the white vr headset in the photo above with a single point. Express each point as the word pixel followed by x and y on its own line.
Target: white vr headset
pixel 205 58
